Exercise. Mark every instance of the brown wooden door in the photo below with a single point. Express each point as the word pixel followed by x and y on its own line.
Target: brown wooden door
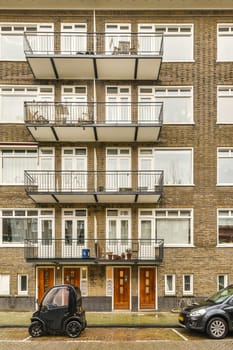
pixel 121 288
pixel 45 278
pixel 147 288
pixel 72 276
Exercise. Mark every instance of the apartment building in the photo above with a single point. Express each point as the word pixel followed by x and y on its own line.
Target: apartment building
pixel 116 151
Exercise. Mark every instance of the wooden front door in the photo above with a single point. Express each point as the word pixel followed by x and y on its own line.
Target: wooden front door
pixel 45 278
pixel 72 276
pixel 121 288
pixel 147 288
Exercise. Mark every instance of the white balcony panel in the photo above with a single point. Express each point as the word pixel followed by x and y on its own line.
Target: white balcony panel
pixel 42 198
pixel 116 198
pixel 74 67
pixel 148 68
pixel 74 133
pixel 116 133
pixel 148 133
pixel 148 198
pixel 75 198
pixel 42 133
pixel 42 67
pixel 115 68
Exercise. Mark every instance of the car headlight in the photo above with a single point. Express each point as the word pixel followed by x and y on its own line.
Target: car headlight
pixel 198 312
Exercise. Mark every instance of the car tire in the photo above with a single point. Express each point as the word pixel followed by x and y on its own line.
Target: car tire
pixel 36 329
pixel 217 328
pixel 73 329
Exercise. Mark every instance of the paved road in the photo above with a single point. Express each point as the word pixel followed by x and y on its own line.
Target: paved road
pixel 114 339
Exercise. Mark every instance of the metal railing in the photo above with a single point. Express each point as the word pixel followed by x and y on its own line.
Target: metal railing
pixel 50 181
pixel 76 113
pixel 109 250
pixel 80 43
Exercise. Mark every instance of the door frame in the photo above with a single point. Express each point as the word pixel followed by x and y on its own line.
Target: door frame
pixel 130 291
pixel 155 291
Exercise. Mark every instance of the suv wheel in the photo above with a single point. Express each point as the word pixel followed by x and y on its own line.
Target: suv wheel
pixel 217 328
pixel 73 329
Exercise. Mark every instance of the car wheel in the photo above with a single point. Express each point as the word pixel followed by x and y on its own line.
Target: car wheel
pixel 217 328
pixel 36 329
pixel 73 329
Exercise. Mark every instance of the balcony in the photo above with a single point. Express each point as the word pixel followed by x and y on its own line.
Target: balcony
pixel 90 251
pixel 94 121
pixel 104 56
pixel 94 186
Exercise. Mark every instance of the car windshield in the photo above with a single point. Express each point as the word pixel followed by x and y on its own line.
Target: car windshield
pixel 222 295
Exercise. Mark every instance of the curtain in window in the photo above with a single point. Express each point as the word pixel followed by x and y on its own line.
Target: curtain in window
pixel 173 231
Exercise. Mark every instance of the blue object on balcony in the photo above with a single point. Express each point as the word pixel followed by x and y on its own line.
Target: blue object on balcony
pixel 85 253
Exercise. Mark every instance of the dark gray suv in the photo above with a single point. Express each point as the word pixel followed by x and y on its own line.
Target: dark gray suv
pixel 214 316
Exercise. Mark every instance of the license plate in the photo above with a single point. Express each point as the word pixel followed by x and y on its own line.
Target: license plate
pixel 181 318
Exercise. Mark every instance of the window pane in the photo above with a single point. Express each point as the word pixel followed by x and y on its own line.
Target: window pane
pixel 225 45
pixel 4 285
pixel 13 168
pixel 176 109
pixel 177 166
pixel 15 230
pixel 225 170
pixel 80 232
pixel 178 48
pixel 146 230
pixel 225 107
pixel 225 230
pixel 11 47
pixel 173 231
pixel 23 283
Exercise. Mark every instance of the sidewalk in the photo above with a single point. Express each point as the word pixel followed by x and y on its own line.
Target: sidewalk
pixel 102 319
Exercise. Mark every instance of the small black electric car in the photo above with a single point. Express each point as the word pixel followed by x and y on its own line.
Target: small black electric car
pixel 60 311
pixel 214 316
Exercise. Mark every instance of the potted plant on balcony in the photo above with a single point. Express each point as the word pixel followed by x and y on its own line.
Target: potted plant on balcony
pixel 128 253
pixel 109 254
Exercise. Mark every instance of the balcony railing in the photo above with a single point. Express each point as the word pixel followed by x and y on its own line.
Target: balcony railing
pixel 122 56
pixel 108 113
pixel 94 186
pixel 126 251
pixel 80 43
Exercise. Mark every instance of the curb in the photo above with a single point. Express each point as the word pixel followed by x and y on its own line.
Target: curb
pixel 110 326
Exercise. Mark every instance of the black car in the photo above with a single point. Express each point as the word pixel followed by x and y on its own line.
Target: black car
pixel 214 316
pixel 60 311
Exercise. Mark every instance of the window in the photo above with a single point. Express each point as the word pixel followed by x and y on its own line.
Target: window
pixel 118 106
pixel 22 284
pixel 83 281
pixel 74 166
pixel 177 103
pixel 117 38
pixel 118 169
pixel 118 230
pixel 177 164
pixel 187 284
pixel 76 107
pixel 177 40
pixel 15 161
pixel 225 227
pixel 74 232
pixel 73 38
pixel 12 100
pixel 175 227
pixel 225 105
pixel 222 281
pixel 17 225
pixel 225 42
pixel 170 284
pixel 12 38
pixel 225 166
pixel 4 284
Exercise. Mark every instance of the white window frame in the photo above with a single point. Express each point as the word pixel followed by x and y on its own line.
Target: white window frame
pixel 18 29
pixel 224 30
pixel 224 152
pixel 171 30
pixel 225 281
pixel 169 213
pixel 171 291
pixel 165 93
pixel 84 280
pixel 116 32
pixel 27 93
pixel 114 182
pixel 190 291
pixel 118 104
pixel 227 213
pixel 20 291
pixel 40 215
pixel 74 38
pixel 226 93
pixel 120 214
pixel 4 284
pixel 144 154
